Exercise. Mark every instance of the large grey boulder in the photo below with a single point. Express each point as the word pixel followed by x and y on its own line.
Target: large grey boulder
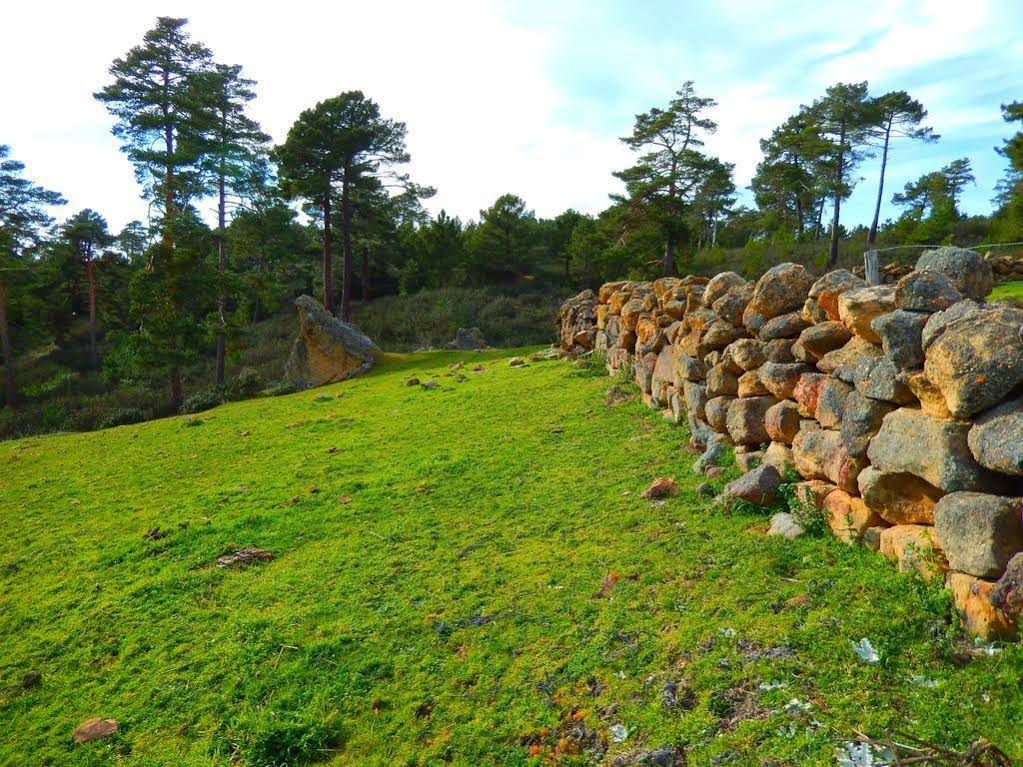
pixel 939 321
pixel 720 285
pixel 977 360
pixel 966 269
pixel 933 449
pixel 996 438
pixel 326 349
pixel 979 532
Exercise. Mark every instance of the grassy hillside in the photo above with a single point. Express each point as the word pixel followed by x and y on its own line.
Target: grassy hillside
pixel 462 576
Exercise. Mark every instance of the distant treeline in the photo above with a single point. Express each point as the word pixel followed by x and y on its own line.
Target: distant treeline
pixel 160 295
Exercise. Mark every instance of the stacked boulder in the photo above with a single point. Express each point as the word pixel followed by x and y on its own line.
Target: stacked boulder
pixel 899 405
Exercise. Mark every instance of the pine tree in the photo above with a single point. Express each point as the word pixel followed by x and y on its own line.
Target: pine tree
pixel 660 186
pixel 158 101
pixel 23 217
pixel 328 150
pixel 86 233
pixel 898 116
pixel 234 149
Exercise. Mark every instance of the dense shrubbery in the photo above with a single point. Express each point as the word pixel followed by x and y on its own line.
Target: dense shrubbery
pixel 430 318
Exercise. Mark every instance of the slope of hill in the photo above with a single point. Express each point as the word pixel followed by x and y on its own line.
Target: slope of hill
pixel 464 575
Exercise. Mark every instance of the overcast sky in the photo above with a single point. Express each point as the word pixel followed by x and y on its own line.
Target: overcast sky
pixel 525 97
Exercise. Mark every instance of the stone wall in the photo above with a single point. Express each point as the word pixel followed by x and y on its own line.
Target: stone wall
pixel 900 406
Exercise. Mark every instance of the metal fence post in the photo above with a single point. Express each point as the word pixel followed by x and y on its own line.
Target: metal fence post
pixel 871 267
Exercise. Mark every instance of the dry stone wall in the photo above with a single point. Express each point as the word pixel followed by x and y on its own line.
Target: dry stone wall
pixel 900 405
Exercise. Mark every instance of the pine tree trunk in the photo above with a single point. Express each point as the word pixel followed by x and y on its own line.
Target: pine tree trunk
pixel 5 346
pixel 366 287
pixel 833 252
pixel 669 256
pixel 177 394
pixel 328 279
pixel 346 246
pixel 872 237
pixel 222 268
pixel 90 275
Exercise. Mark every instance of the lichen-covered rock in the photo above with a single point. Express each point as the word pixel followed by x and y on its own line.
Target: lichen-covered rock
pixel 848 516
pixel 745 420
pixel 939 321
pixel 927 291
pixel 630 313
pixel 901 334
pixel 758 486
pixel 979 532
pixel 779 455
pixel 978 360
pixel 848 355
pixel 831 401
pixel 788 325
pixel 862 420
pixel 1007 594
pixel 914 547
pixel 996 438
pixel 877 378
pixel 721 381
pixel 720 334
pixel 812 492
pixel 716 411
pixel 972 598
pixel 932 401
pixel 695 397
pixel 779 350
pixel 747 353
pixel 643 371
pixel 824 337
pixel 822 299
pixel 899 499
pixel 935 450
pixel 689 369
pixel 720 285
pixel 781 378
pixel 750 385
pixel 966 269
pixel 859 307
pixel 782 421
pixel 731 305
pixel 326 349
pixel 820 454
pixel 782 288
pixel 807 392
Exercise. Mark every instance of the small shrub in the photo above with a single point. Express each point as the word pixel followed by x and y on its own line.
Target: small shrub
pixel 203 400
pixel 54 416
pixel 247 384
pixel 123 417
pixel 280 388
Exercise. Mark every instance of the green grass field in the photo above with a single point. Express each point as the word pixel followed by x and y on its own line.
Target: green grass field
pixel 495 592
pixel 1008 290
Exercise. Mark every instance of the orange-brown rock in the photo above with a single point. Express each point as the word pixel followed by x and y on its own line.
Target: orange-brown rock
pixel 900 499
pixel 848 516
pixel 326 349
pixel 914 547
pixel 973 600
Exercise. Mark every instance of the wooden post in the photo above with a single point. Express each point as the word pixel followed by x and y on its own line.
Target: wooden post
pixel 871 267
